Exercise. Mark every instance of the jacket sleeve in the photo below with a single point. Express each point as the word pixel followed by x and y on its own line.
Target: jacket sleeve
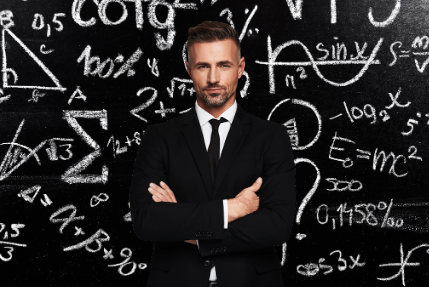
pixel 167 221
pixel 225 216
pixel 272 222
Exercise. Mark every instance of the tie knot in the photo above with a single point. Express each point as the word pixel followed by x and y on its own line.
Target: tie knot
pixel 215 123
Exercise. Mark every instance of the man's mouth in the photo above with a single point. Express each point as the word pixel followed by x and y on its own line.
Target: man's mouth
pixel 214 90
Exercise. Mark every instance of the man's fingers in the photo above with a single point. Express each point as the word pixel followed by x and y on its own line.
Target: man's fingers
pixel 170 192
pixel 254 187
pixel 160 193
pixel 191 241
pixel 257 184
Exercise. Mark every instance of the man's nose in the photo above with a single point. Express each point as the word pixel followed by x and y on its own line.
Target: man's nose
pixel 213 76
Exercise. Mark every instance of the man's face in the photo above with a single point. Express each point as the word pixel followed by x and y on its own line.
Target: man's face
pixel 214 68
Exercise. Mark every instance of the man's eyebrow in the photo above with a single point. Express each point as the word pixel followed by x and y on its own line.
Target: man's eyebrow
pixel 220 62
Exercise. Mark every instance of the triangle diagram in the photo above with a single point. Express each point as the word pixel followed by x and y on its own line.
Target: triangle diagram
pixel 11 78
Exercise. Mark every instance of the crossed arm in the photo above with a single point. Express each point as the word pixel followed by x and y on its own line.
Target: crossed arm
pixel 244 203
pixel 165 194
pixel 269 225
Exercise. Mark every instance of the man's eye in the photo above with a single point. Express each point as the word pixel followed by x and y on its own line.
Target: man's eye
pixel 225 65
pixel 200 67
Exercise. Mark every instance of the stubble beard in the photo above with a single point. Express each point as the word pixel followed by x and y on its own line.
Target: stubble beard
pixel 217 99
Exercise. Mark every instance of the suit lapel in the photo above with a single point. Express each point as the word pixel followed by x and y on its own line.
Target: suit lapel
pixel 195 139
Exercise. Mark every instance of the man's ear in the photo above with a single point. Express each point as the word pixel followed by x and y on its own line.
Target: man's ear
pixel 241 67
pixel 188 68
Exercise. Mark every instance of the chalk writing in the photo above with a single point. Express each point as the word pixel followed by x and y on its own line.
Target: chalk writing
pixel 378 155
pixel 366 212
pixel 73 173
pixel 109 63
pixel 312 269
pixel 15 155
pixel 403 263
pixel 15 233
pixel 272 56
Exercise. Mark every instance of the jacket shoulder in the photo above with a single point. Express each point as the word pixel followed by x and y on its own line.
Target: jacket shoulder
pixel 173 124
pixel 263 125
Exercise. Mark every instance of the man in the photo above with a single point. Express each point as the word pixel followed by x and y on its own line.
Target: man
pixel 196 178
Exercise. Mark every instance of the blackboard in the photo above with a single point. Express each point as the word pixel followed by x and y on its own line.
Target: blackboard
pixel 81 81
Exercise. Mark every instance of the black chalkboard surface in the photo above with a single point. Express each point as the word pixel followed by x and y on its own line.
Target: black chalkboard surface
pixel 81 80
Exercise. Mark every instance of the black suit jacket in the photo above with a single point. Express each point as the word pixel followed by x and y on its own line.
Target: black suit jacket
pixel 244 254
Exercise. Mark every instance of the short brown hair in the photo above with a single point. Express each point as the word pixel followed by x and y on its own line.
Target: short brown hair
pixel 211 31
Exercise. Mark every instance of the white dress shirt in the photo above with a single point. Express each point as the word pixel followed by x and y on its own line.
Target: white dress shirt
pixel 206 127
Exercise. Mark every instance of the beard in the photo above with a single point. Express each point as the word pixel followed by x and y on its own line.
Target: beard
pixel 215 99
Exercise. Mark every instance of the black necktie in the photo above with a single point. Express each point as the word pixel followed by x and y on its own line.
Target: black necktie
pixel 214 146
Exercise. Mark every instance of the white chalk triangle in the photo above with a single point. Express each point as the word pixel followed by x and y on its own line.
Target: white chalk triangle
pixel 7 71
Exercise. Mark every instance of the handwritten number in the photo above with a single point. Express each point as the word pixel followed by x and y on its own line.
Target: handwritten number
pixel 9 252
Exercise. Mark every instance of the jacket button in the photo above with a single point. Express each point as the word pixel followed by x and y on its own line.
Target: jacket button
pixel 224 248
pixel 212 250
pixel 207 263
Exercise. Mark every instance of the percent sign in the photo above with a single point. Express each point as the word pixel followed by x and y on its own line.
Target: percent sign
pixel 109 63
pixel 390 221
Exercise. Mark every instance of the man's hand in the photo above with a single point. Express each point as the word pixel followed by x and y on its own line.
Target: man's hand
pixel 245 202
pixel 164 194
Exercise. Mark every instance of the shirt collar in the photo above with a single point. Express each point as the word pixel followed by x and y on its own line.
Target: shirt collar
pixel 204 116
